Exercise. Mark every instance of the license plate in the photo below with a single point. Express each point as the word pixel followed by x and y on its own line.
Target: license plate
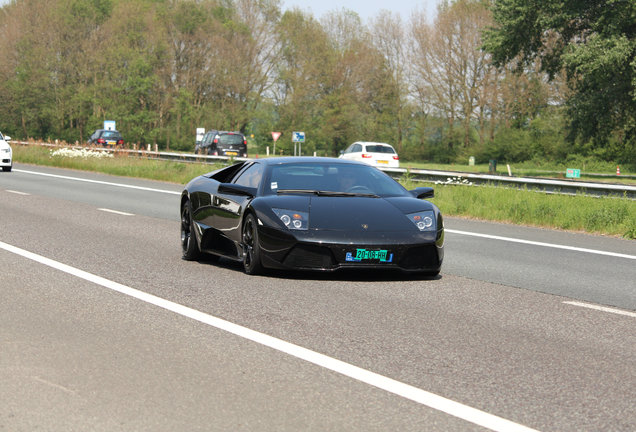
pixel 383 162
pixel 231 153
pixel 111 143
pixel 366 255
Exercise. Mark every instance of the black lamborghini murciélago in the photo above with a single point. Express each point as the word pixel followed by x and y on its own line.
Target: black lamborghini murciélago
pixel 309 213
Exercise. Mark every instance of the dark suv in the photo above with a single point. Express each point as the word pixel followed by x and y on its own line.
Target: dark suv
pixel 106 137
pixel 203 146
pixel 223 143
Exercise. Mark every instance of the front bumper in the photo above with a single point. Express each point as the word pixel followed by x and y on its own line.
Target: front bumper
pixel 333 250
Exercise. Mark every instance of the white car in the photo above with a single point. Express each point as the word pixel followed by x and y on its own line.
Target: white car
pixel 6 154
pixel 372 153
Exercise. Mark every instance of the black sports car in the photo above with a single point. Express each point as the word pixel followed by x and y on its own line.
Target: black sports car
pixel 309 213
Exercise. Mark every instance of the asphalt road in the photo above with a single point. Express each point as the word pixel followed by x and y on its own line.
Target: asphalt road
pixel 106 328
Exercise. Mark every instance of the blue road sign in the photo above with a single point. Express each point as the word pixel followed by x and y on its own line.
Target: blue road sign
pixel 298 137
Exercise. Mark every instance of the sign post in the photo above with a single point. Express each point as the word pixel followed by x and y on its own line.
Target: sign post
pixel 275 136
pixel 298 137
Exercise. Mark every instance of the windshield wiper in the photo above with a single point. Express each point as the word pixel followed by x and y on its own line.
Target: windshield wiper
pixel 294 191
pixel 347 194
pixel 327 193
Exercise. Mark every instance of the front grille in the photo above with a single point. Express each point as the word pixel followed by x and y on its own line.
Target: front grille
pixel 310 257
pixel 420 257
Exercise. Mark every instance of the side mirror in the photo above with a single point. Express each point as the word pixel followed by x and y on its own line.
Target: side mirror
pixel 234 189
pixel 7 138
pixel 423 192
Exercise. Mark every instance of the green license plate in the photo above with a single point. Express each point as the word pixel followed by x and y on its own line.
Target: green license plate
pixel 366 255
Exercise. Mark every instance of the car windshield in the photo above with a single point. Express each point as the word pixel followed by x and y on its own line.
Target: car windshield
pixel 230 139
pixel 335 179
pixel 379 149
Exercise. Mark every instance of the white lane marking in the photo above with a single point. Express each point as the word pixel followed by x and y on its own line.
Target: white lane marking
pixel 613 254
pixel 99 182
pixel 52 384
pixel 415 394
pixel 602 308
pixel 17 192
pixel 550 245
pixel 115 211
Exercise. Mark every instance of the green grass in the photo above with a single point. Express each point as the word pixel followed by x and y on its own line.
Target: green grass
pixel 608 172
pixel 608 216
pixel 120 165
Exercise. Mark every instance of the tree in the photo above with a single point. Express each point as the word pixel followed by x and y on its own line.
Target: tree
pixel 452 73
pixel 594 41
pixel 389 37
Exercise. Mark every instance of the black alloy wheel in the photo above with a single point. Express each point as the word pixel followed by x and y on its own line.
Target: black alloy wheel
pixel 188 242
pixel 252 252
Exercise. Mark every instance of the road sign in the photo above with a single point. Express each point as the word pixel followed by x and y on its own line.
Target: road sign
pixel 276 135
pixel 298 137
pixel 573 173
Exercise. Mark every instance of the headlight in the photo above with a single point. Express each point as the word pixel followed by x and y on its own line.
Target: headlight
pixel 294 220
pixel 424 221
pixel 5 150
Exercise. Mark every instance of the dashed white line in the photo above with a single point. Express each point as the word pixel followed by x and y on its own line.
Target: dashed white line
pixel 412 393
pixel 115 211
pixel 17 192
pixel 534 243
pixel 99 182
pixel 602 308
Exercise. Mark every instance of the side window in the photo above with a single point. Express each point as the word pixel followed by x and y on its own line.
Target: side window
pixel 251 177
pixel 357 148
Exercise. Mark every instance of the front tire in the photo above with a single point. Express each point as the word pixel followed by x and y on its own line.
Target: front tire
pixel 7 168
pixel 189 245
pixel 252 251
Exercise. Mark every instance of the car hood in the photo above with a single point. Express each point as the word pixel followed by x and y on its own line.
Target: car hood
pixel 354 214
pixel 4 145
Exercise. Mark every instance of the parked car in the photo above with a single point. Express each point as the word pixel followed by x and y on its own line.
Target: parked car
pixel 6 154
pixel 306 213
pixel 203 146
pixel 106 137
pixel 372 153
pixel 223 143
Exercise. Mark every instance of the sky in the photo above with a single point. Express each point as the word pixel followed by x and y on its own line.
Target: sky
pixel 365 8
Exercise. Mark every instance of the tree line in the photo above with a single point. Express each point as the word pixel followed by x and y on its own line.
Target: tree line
pixel 477 80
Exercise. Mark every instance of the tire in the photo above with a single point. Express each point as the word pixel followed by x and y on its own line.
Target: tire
pixel 252 258
pixel 189 245
pixel 7 168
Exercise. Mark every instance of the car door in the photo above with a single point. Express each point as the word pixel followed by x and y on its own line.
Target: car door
pixel 230 205
pixel 354 152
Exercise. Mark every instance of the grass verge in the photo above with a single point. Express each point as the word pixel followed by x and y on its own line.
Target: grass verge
pixel 608 216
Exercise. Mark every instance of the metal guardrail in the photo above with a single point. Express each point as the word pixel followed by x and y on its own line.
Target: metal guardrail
pixel 569 187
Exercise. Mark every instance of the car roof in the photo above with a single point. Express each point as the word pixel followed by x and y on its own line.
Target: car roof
pixel 308 159
pixel 373 143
